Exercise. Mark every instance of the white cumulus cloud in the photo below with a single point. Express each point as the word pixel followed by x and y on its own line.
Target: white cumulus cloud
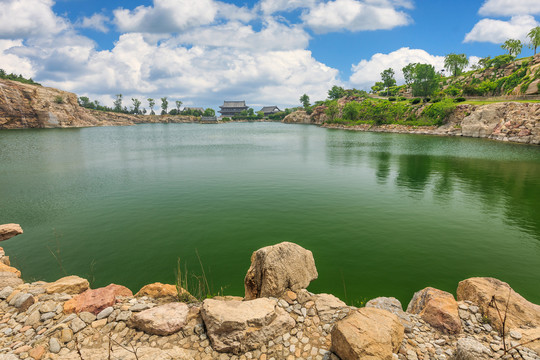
pixel 509 7
pixel 166 16
pixel 97 22
pixel 273 6
pixel 22 18
pixel 367 72
pixel 355 15
pixel 498 31
pixel 12 63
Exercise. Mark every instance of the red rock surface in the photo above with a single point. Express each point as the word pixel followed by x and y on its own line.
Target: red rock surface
pixel 93 301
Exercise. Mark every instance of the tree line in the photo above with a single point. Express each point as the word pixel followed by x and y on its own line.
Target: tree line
pixel 15 77
pixel 136 109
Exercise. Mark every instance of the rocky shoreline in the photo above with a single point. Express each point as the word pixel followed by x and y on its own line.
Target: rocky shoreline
pixel 277 319
pixel 507 121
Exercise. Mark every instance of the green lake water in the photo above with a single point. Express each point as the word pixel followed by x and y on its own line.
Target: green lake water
pixel 383 214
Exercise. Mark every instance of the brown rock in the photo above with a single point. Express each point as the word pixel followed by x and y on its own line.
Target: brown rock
pixel 162 320
pixel 367 333
pixel 521 313
pixel 159 291
pixel 277 268
pixel 8 231
pixel 37 352
pixel 93 301
pixel 240 326
pixel 438 308
pixel 327 305
pixel 10 269
pixel 69 285
pixel 9 279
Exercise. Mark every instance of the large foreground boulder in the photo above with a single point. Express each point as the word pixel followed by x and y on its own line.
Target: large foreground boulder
pixel 277 268
pixel 480 290
pixel 521 314
pixel 162 320
pixel 369 333
pixel 93 301
pixel 240 326
pixel 471 349
pixel 7 231
pixel 438 308
pixel 392 305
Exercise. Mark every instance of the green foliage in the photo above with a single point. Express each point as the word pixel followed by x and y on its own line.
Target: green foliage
pixel 18 78
pixel 151 104
pixel 209 112
pixel 513 46
pixel 391 98
pixel 452 90
pixel 59 99
pixel 164 105
pixel 500 61
pixel 118 103
pixel 278 116
pixel 304 100
pixel 337 92
pixel 387 77
pixel 455 63
pixel 136 106
pixel 425 80
pixel 377 87
pixel 416 101
pixel 439 111
pixel 408 73
pixel 459 99
pixel 332 110
pixel 178 106
pixel 534 38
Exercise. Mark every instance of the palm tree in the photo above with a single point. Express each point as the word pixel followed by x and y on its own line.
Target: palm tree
pixel 534 35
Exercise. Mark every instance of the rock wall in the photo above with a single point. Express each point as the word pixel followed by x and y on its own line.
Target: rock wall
pixel 507 121
pixel 31 106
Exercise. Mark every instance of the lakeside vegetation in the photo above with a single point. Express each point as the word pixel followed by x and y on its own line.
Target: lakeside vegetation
pixel 18 78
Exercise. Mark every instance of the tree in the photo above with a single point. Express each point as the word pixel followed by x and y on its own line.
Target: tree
pixel 84 101
pixel 513 46
pixel 209 112
pixel 337 92
pixel 118 103
pixel 250 111
pixel 534 36
pixel 408 73
pixel 178 105
pixel 304 99
pixel 455 63
pixel 136 106
pixel 151 104
pixel 485 62
pixel 387 77
pixel 332 110
pixel 164 105
pixel 377 87
pixel 425 80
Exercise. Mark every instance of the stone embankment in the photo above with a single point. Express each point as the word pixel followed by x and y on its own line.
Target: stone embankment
pixel 31 106
pixel 507 121
pixel 281 320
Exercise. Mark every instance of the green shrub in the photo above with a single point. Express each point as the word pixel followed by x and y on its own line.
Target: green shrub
pixel 402 98
pixel 415 101
pixel 59 100
pixel 438 112
pixel 459 99
pixel 391 98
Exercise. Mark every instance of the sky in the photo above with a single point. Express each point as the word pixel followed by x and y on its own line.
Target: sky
pixel 266 52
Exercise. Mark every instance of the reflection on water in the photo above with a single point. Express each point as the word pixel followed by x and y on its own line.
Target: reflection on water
pixel 385 214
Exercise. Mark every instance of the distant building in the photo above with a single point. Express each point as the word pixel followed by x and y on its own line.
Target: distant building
pixel 232 108
pixel 269 110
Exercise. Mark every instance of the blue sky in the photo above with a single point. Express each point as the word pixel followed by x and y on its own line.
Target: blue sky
pixel 267 52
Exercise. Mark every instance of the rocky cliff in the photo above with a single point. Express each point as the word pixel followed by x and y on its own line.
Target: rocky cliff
pixel 505 121
pixel 31 106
